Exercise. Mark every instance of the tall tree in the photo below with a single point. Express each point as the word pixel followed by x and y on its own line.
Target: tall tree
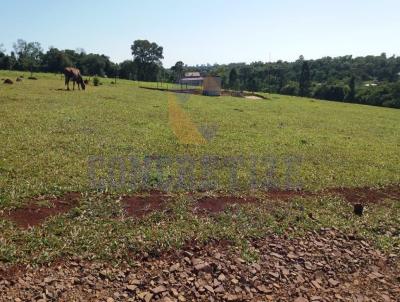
pixel 55 60
pixel 147 58
pixel 352 92
pixel 178 70
pixel 305 80
pixel 233 79
pixel 127 70
pixel 29 54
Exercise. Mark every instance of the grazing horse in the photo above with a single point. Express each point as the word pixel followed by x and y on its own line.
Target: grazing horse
pixel 74 75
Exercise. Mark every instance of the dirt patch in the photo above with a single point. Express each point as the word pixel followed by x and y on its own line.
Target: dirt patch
pixel 139 206
pixel 41 208
pixel 367 195
pixel 253 97
pixel 216 204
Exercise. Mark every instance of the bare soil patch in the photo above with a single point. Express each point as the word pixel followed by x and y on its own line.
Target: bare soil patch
pixel 141 205
pixel 367 195
pixel 39 209
pixel 253 97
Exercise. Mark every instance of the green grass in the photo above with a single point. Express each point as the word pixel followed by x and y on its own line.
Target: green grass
pixel 47 135
pixel 99 230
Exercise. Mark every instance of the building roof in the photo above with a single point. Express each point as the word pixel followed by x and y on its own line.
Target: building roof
pixel 194 74
pixel 196 79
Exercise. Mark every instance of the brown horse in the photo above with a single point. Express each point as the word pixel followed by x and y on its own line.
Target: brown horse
pixel 74 75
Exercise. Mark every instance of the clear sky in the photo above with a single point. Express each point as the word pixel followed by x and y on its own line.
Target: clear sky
pixel 208 31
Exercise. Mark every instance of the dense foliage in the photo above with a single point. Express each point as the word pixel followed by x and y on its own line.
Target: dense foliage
pixel 372 80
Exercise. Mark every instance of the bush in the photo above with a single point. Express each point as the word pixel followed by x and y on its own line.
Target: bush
pixel 291 88
pixel 96 81
pixel 331 92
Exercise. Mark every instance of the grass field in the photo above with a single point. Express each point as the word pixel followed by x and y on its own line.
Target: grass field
pixel 47 135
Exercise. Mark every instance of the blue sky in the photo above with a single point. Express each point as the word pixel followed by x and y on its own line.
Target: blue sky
pixel 208 31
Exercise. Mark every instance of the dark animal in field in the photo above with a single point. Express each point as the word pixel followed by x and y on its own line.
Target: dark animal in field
pixel 8 81
pixel 86 82
pixel 18 80
pixel 74 75
pixel 32 78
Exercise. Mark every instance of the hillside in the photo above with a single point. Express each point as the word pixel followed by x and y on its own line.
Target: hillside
pixel 296 190
pixel 48 135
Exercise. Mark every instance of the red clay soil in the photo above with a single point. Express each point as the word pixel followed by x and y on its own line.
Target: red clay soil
pixel 367 195
pixel 34 214
pixel 363 195
pixel 139 206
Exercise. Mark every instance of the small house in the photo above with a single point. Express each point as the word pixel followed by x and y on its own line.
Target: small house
pixel 192 79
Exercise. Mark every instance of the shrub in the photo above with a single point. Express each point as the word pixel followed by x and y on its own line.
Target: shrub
pixel 331 92
pixel 96 81
pixel 291 88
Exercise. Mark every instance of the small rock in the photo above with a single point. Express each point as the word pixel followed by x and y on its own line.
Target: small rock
pixel 230 297
pixel 174 267
pixel 148 297
pixel 276 255
pixel 333 282
pixel 203 267
pixel 221 278
pixel 159 289
pixel 263 289
pixel 174 292
pixel 301 299
pixel 181 298
pixel 131 287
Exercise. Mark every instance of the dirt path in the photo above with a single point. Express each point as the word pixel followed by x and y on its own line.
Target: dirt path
pixel 320 266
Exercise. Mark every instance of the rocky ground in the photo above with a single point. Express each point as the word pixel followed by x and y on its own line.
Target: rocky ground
pixel 319 266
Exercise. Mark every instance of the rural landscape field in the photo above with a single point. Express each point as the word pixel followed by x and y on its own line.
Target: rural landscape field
pixel 346 154
pixel 133 170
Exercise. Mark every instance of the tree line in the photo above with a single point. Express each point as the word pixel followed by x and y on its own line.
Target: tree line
pixel 372 80
pixel 29 56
